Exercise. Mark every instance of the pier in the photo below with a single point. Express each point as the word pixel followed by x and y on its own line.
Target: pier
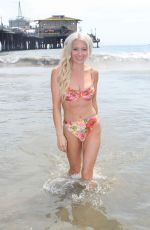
pixel 16 40
pixel 49 34
pixel 95 39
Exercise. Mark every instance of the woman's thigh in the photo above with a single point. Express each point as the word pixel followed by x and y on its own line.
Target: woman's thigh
pixel 91 146
pixel 74 148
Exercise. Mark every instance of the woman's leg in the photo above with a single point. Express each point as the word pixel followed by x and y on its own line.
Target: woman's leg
pixel 90 150
pixel 74 149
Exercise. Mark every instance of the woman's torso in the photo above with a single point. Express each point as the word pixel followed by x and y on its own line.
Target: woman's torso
pixel 78 101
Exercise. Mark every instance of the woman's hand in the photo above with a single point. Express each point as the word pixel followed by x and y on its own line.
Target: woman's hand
pixel 62 143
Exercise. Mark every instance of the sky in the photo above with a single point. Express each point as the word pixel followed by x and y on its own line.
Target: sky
pixel 116 22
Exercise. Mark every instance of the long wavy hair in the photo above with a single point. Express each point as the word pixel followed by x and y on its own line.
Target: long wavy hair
pixel 64 75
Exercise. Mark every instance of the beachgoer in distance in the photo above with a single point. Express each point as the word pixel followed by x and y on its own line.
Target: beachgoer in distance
pixel 74 87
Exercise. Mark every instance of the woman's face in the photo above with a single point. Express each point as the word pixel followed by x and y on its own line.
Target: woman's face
pixel 79 52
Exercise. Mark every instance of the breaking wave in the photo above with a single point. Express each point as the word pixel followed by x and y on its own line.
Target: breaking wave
pixel 29 61
pixel 123 59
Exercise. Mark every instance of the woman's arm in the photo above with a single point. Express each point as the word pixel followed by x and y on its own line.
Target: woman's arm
pixel 95 79
pixel 56 101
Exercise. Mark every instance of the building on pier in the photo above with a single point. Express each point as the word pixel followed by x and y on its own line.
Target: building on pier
pixel 59 25
pixel 20 22
pixel 55 29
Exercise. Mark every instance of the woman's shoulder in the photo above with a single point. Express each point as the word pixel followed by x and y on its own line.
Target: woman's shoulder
pixel 94 74
pixel 55 71
pixel 91 69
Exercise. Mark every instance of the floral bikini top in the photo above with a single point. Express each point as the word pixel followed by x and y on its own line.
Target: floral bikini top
pixel 73 94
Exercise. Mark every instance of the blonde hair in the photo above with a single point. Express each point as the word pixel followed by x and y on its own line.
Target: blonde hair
pixel 64 76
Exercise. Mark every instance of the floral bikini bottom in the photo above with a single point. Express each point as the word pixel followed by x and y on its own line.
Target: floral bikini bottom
pixel 81 128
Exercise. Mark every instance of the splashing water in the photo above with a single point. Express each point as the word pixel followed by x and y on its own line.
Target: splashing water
pixel 79 191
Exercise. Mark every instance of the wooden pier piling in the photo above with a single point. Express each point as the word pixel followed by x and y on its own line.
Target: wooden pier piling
pixel 10 41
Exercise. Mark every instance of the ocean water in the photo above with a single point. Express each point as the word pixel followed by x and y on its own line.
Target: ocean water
pixel 35 193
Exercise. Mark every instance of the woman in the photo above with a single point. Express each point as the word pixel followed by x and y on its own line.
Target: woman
pixel 74 86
